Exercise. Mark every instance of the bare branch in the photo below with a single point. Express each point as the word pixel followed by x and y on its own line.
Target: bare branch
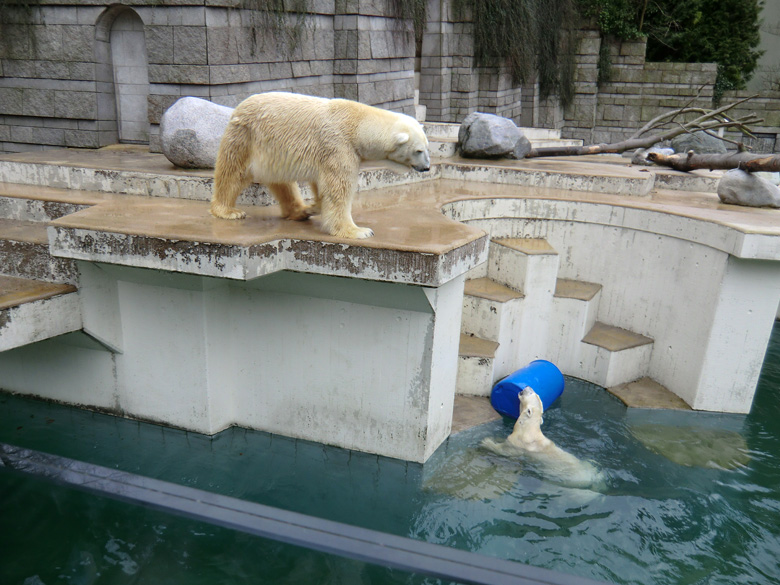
pixel 707 121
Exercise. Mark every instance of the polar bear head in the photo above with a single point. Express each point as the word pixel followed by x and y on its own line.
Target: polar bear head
pixel 531 407
pixel 527 433
pixel 409 144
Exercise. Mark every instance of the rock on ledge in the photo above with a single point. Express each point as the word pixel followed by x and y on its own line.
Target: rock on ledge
pixel 190 131
pixel 740 188
pixel 491 136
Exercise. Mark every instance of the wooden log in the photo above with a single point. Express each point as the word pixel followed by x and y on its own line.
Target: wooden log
pixel 737 160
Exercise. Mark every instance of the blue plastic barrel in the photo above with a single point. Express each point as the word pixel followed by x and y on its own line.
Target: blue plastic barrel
pixel 543 376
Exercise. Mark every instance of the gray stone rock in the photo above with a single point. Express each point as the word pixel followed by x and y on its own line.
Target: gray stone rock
pixel 522 147
pixel 698 142
pixel 773 178
pixel 740 188
pixel 490 136
pixel 190 131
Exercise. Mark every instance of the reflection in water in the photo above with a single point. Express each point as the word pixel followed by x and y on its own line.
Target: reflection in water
pixel 470 474
pixel 695 446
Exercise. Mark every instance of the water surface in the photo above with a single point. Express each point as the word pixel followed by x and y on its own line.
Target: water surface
pixel 690 498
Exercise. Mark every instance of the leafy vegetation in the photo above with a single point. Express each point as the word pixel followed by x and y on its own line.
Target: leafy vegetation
pixel 725 32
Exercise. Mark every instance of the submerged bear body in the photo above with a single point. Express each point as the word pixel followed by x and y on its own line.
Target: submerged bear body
pixel 529 443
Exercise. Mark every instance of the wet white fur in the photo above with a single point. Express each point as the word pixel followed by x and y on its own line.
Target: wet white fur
pixel 281 138
pixel 528 441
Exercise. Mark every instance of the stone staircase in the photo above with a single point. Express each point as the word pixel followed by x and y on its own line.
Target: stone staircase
pixel 443 138
pixel 38 292
pixel 516 309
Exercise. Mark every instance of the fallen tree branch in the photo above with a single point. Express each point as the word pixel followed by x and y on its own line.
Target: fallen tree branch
pixel 707 121
pixel 735 160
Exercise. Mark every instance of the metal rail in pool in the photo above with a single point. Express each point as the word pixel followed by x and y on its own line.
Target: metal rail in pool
pixel 282 525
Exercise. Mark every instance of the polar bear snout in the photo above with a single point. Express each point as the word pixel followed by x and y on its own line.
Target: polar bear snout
pixel 421 161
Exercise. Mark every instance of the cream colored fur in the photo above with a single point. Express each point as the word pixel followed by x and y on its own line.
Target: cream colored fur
pixel 528 441
pixel 281 138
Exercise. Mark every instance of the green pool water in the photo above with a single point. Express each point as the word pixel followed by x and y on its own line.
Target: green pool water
pixel 689 498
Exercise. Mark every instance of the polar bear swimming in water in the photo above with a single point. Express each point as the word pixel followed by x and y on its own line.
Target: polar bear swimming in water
pixel 528 442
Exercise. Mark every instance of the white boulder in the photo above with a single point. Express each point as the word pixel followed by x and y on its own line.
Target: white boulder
pixel 738 187
pixel 190 132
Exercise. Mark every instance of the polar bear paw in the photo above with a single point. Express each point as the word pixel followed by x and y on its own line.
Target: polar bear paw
pixel 227 212
pixel 353 233
pixel 301 214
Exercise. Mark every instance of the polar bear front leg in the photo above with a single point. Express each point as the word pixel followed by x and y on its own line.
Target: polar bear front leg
pixel 316 207
pixel 289 197
pixel 336 200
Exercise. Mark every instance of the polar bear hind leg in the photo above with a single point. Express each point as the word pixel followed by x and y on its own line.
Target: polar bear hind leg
pixel 289 197
pixel 231 173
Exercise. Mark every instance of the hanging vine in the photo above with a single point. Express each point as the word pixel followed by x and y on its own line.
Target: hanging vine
pixel 534 38
pixel 286 20
pixel 411 11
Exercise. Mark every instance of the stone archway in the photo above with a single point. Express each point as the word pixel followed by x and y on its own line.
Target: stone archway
pixel 121 50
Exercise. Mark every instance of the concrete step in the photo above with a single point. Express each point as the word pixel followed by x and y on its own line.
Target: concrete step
pixel 528 265
pixel 647 393
pixel 550 143
pixel 523 264
pixel 443 147
pixel 443 138
pixel 575 306
pixel 31 311
pixel 441 130
pixel 475 366
pixel 611 356
pixel 493 311
pixel 114 174
pixel 540 134
pixel 24 252
pixel 37 203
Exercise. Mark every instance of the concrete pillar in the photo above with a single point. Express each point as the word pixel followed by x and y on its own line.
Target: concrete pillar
pixel 742 322
pixel 360 364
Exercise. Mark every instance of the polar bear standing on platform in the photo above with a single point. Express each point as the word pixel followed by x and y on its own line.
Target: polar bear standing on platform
pixel 281 138
pixel 528 441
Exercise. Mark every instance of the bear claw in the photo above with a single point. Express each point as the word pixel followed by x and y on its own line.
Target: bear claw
pixel 229 213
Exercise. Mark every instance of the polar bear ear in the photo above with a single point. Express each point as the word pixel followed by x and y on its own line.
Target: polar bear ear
pixel 401 138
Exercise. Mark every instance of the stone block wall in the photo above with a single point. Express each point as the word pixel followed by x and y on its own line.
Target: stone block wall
pixel 451 84
pixel 48 78
pixel 61 83
pixel 74 74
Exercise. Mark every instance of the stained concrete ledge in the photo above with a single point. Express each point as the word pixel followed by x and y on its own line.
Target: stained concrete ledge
pixel 412 246
pixel 413 242
pixel 647 393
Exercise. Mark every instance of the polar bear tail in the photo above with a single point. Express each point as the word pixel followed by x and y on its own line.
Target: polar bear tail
pixel 231 171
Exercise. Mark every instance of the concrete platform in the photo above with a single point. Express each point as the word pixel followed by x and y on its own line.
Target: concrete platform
pixel 472 411
pixel 271 324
